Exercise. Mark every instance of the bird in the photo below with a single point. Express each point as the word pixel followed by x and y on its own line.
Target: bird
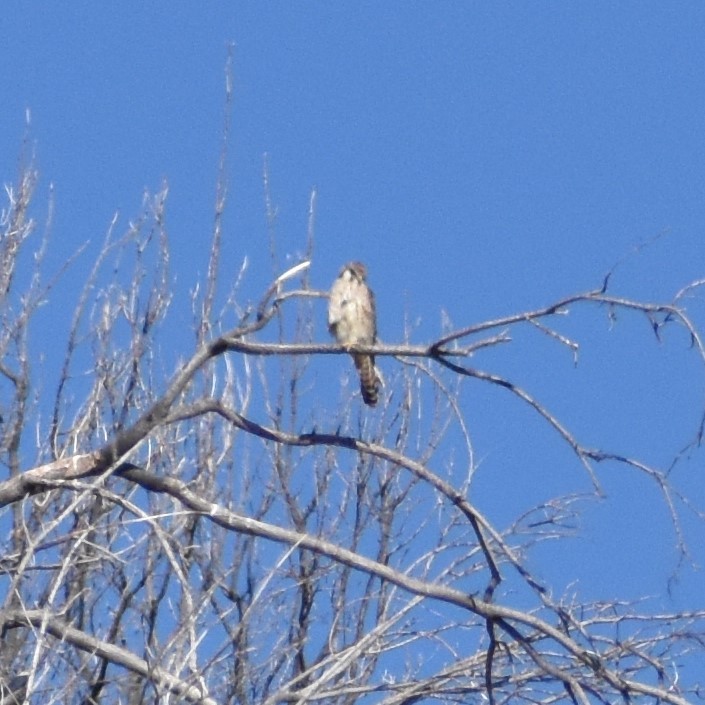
pixel 352 320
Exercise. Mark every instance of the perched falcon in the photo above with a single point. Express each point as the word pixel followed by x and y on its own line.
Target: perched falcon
pixel 352 320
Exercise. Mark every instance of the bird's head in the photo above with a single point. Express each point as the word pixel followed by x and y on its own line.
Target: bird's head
pixel 354 270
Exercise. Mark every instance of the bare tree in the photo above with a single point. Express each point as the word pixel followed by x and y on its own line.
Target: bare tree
pixel 231 533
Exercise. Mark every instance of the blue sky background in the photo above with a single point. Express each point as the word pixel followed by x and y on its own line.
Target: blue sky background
pixel 481 158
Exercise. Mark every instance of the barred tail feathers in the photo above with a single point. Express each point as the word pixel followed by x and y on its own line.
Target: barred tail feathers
pixel 369 380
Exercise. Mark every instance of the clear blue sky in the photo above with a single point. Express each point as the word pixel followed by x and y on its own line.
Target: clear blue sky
pixel 482 158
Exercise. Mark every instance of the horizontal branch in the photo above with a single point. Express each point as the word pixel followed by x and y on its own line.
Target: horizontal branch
pixel 250 348
pixel 595 296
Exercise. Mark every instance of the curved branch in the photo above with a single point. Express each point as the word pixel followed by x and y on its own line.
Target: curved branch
pixel 505 616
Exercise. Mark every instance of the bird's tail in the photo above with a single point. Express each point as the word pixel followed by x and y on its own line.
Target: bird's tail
pixel 369 379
